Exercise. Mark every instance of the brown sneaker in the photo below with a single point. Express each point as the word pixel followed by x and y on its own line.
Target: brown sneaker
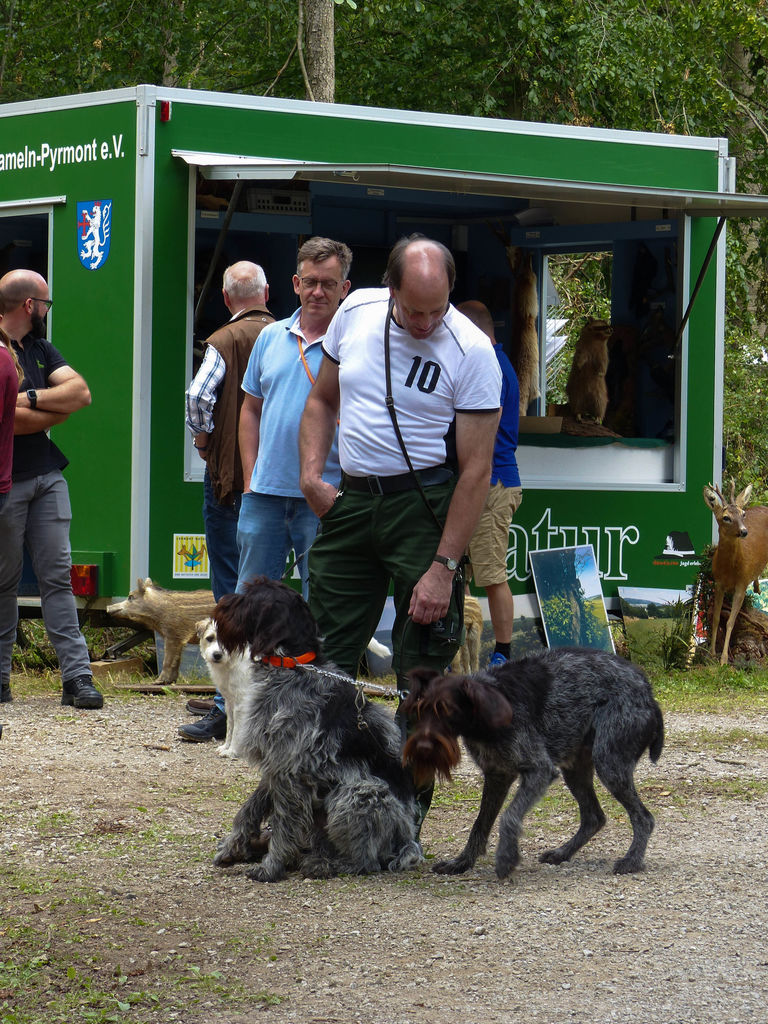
pixel 199 707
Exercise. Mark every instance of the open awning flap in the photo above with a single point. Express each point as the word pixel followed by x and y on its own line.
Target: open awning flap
pixel 228 167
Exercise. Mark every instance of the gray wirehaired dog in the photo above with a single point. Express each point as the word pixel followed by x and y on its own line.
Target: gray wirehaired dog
pixel 332 787
pixel 576 710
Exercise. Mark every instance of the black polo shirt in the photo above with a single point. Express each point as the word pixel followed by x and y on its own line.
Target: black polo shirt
pixel 35 454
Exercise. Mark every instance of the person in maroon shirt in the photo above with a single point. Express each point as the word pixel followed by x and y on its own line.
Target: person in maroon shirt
pixel 10 378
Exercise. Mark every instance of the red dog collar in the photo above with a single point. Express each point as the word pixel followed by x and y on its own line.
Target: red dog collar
pixel 288 662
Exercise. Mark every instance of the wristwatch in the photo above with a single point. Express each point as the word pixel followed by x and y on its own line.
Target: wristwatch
pixel 32 397
pixel 449 563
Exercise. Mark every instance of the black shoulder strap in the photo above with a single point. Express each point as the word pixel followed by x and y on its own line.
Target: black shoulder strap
pixel 390 402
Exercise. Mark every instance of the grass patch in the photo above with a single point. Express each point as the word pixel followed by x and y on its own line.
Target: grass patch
pixel 456 792
pixel 54 823
pixel 87 957
pixel 34 651
pixel 712 688
pixel 710 739
pixel 700 789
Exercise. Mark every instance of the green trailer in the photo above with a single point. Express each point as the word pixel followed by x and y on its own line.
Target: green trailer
pixel 132 202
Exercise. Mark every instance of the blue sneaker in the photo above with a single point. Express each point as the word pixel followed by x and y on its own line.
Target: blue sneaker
pixel 212 727
pixel 497 659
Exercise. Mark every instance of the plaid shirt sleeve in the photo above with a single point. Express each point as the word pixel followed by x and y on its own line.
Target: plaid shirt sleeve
pixel 201 393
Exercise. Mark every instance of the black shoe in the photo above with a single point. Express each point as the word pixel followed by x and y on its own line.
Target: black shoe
pixel 212 727
pixel 81 693
pixel 5 694
pixel 199 707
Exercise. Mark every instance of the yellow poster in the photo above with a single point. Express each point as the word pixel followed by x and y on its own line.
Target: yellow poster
pixel 190 556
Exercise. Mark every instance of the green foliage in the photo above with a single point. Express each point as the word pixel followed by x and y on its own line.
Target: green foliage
pixel 662 640
pixel 711 688
pixel 583 285
pixel 558 613
pixel 593 624
pixel 678 67
pixel 675 640
pixel 745 430
pixel 34 651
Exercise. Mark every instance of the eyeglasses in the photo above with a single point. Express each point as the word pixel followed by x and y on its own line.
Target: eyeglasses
pixel 310 283
pixel 48 302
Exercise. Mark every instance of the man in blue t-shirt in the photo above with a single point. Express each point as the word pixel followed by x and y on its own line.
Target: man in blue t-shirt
pixel 490 541
pixel 274 515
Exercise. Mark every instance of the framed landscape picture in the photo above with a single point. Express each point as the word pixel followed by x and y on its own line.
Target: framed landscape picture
pixel 654 619
pixel 571 598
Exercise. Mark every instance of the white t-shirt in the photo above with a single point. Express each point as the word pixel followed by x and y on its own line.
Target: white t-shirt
pixel 454 370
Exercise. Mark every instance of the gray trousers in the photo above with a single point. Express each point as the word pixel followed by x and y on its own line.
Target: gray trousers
pixel 37 513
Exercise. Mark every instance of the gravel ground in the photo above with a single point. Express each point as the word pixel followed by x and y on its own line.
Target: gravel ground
pixel 108 830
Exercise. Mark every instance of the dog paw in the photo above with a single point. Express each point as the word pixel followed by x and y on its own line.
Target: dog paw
pixel 261 874
pixel 318 869
pixel 506 862
pixel 556 856
pixel 228 851
pixel 627 866
pixel 456 866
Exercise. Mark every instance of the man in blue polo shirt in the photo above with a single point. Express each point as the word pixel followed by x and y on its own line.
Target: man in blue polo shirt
pixel 274 515
pixel 490 541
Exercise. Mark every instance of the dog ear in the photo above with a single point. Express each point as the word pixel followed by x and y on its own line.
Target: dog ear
pixel 419 681
pixel 231 618
pixel 280 618
pixel 489 708
pixel 268 615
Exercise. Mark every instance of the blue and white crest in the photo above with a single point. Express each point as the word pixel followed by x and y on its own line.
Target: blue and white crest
pixel 94 225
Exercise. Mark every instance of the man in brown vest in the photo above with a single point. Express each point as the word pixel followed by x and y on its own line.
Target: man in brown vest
pixel 214 399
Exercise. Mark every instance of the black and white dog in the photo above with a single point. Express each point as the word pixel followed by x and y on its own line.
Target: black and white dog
pixel 577 710
pixel 332 786
pixel 232 675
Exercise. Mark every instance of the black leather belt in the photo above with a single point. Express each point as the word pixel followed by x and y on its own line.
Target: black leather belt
pixel 393 484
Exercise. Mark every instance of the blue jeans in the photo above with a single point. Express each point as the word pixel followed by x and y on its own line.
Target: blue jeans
pixel 270 525
pixel 37 513
pixel 223 556
pixel 221 538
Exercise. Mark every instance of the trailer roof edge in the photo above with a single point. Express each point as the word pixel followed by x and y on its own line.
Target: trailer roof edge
pixel 352 112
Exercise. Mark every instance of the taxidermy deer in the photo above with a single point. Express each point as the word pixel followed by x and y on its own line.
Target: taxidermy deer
pixel 740 556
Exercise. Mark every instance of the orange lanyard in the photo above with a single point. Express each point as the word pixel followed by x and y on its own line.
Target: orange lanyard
pixel 304 362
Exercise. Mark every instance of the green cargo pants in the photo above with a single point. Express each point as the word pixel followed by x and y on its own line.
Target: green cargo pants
pixel 365 544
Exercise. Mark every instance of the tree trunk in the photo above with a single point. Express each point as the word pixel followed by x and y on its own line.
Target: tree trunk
pixel 320 66
pixel 7 43
pixel 175 14
pixel 749 640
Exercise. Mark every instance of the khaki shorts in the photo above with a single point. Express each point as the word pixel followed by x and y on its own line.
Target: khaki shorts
pixel 490 541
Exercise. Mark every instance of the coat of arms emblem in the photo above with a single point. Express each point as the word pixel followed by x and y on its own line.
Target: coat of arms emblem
pixel 94 224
